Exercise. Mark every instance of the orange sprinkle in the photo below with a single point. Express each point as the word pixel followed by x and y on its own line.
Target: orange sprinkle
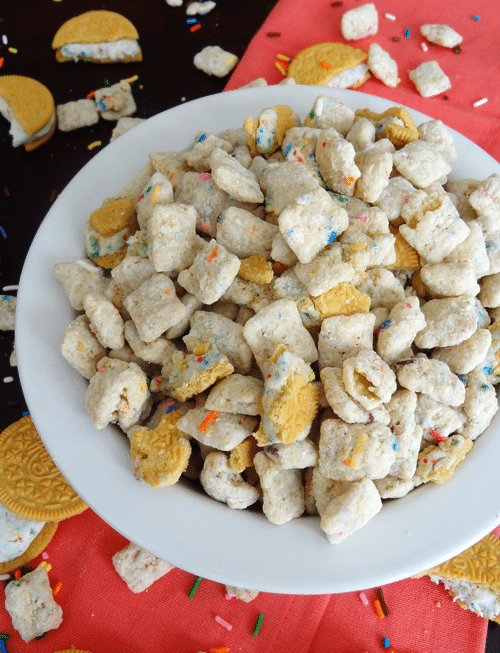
pixel 17 574
pixel 346 462
pixel 209 418
pixel 378 609
pixel 57 588
pixel 1 61
pixel 193 28
pixel 349 181
pixel 213 253
pixel 326 65
pixel 90 95
pixel 219 649
pixel 167 292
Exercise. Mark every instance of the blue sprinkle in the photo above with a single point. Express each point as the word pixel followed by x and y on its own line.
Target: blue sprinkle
pixel 26 413
pixel 3 232
pixel 202 138
pixel 5 298
pixel 331 236
pixel 101 104
pixel 385 642
pixel 190 21
pixel 476 18
pixel 287 150
pixel 394 447
pixel 384 324
pixel 407 33
pixel 170 408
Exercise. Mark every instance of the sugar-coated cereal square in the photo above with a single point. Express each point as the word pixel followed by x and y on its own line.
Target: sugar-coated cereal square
pixel 344 336
pixel 129 274
pixel 133 188
pixel 490 291
pixel 398 332
pixel 491 234
pixel 335 158
pixel 250 294
pixel 124 125
pixel 283 492
pixel 311 223
pixel 240 593
pixel 223 333
pixel 402 407
pixel 156 351
pixel 429 79
pixel 154 307
pixel 471 251
pixel 325 271
pixel 223 431
pixel 382 286
pixel 393 487
pixel 464 357
pixel 368 379
pixel 420 163
pixel 329 112
pixel 236 394
pixel 439 136
pixel 31 606
pixel 213 60
pixel 105 320
pixel 450 279
pixel 296 455
pixel 171 164
pixel 485 198
pixel 223 484
pixel 284 182
pixel 78 279
pixel 230 175
pixel 198 157
pixel 363 251
pixel 436 419
pixel 115 101
pixel 243 234
pixel 351 452
pixel 76 114
pixel 382 65
pixel 375 167
pixel 359 22
pixel 138 568
pixel 117 393
pixel 361 134
pixel 278 324
pixel 299 145
pixel 289 286
pixel 81 348
pixel 441 34
pixel 449 322
pixel 281 252
pixel 172 240
pixel 351 510
pixel 394 196
pixel 157 191
pixel 432 377
pixel 480 405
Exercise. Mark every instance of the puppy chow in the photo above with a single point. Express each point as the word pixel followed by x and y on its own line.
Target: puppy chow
pixel 116 101
pixel 8 311
pixel 382 65
pixel 124 125
pixel 325 271
pixel 398 332
pixel 441 34
pixel 236 394
pixel 284 182
pixel 449 322
pixel 250 294
pixel 171 164
pixel 382 286
pixel 472 252
pixel 359 22
pixel 368 379
pixel 213 60
pixel 238 182
pixel 439 136
pixel 429 79
pixel 289 286
pixel 432 377
pixel 172 240
pixel 394 196
pixel 223 431
pixel 198 157
pixel 361 134
pixel 157 191
pixel 344 336
pixel 329 112
pixel 375 167
pixel 222 484
pixel 76 114
pixel 77 278
pixel 439 462
pixel 335 158
pixel 81 348
pixel 282 489
pixel 420 163
pixel 138 568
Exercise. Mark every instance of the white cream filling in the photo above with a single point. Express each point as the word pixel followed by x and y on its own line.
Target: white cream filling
pixel 19 136
pixel 109 50
pixel 16 534
pixel 349 77
pixel 478 599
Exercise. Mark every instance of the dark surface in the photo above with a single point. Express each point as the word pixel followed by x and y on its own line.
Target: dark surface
pixel 30 181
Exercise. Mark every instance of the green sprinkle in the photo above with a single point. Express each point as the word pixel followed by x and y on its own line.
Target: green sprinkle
pixel 258 625
pixel 194 587
pixel 106 82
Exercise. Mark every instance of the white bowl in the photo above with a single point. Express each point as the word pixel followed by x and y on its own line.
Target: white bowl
pixel 179 524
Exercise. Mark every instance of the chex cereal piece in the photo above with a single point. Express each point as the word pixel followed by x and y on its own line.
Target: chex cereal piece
pixel 211 273
pixel 439 136
pixel 223 484
pixel 359 22
pixel 78 278
pixel 464 357
pixel 438 463
pixel 257 269
pixel 243 234
pixel 105 320
pixel 283 492
pixel 240 183
pixel 156 351
pixel 285 182
pixel 432 225
pixel 382 65
pixel 278 323
pixel 117 393
pixel 81 348
pixel 398 134
pixel 432 377
pixel 300 454
pixel 21 540
pixel 30 484
pixel 335 158
pixel 157 191
pixel 328 112
pixel 394 196
pixel 242 455
pixel 485 199
pixel 201 8
pixel 223 431
pixel 249 294
pixel 265 133
pixel 171 164
pixel 124 125
pixel 31 606
pixel 437 420
pixel 311 222
pixel 113 216
pixel 198 157
pixel 154 307
pixel 116 101
pixel 330 64
pixel 172 240
pixel 223 333
pixel 73 115
pixel 450 279
pixel 351 510
pixel 187 375
pixel 351 452
pixel 129 274
pixel 344 336
pixel 213 60
pixel 289 286
pixel 429 79
pixel 160 455
pixel 242 594
pixel 98 36
pixel 480 405
pixel 441 34
pixel 7 312
pixel 368 379
pixel 344 405
pixel 401 408
pixel 375 167
pixel 361 134
pixel 325 271
pixel 382 287
pixel 138 568
pixel 398 332
pixel 342 299
pixel 449 322
pixel 289 401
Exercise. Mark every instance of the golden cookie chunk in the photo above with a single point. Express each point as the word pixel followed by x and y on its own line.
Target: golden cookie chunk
pixel 110 261
pixel 342 299
pixel 478 565
pixel 32 106
pixel 242 455
pixel 115 215
pixel 454 449
pixel 285 121
pixel 318 63
pixel 35 548
pixel 159 456
pixel 407 257
pixel 31 486
pixel 257 269
pixel 95 27
pixel 397 134
pixel 203 381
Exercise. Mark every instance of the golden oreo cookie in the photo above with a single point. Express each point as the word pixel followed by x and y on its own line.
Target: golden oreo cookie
pixel 106 30
pixel 31 486
pixel 114 215
pixel 399 135
pixel 31 104
pixel 318 63
pixel 35 548
pixel 342 299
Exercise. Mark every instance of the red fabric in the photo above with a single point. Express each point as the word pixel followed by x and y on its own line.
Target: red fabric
pixel 473 74
pixel 101 615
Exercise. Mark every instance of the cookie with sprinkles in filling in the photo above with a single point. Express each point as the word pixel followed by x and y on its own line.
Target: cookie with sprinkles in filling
pixel 98 36
pixel 330 64
pixel 30 109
